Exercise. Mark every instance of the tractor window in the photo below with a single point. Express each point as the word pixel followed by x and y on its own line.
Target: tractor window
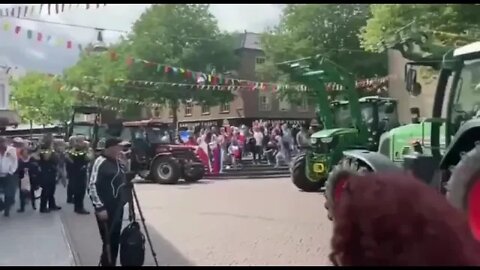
pixel 467 102
pixel 159 135
pixel 342 117
pixel 392 117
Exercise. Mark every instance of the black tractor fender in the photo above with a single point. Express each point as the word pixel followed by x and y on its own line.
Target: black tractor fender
pixel 463 141
pixel 374 160
pixel 160 155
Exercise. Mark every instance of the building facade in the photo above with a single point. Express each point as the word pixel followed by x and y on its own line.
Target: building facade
pixel 247 106
pixel 397 88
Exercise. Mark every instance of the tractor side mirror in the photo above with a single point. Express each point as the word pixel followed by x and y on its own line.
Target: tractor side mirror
pixel 389 107
pixel 410 79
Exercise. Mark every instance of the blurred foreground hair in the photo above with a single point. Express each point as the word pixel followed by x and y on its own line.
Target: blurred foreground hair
pixel 396 220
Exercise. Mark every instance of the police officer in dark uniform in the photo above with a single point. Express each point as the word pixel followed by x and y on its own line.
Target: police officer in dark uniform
pixel 77 164
pixel 48 175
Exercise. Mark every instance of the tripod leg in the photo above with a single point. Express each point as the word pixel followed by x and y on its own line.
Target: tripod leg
pixel 142 219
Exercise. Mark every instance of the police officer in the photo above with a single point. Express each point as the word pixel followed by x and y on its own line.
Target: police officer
pixel 78 160
pixel 48 173
pixel 106 183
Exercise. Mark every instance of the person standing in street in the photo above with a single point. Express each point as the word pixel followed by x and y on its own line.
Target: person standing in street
pixel 72 141
pixel 8 178
pixel 48 163
pixel 78 162
pixel 107 179
pixel 27 168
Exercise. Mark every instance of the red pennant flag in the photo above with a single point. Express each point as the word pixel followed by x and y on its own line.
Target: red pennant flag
pixel 214 80
pixel 166 69
pixel 17 29
pixel 39 37
pixel 130 61
pixel 69 44
pixel 113 56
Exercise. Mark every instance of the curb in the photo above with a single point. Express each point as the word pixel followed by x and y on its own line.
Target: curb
pixel 75 259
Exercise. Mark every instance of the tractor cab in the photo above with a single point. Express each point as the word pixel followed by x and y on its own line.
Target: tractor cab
pixel 85 121
pixel 379 114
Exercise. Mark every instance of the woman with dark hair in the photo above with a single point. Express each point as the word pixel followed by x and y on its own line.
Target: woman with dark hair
pixel 396 220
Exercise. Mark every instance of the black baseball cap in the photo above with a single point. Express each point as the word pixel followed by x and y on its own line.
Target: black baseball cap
pixel 115 142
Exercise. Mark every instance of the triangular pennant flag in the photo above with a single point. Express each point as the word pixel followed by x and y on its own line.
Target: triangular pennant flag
pixel 29 34
pixel 130 61
pixel 69 44
pixel 159 68
pixel 6 26
pixel 17 29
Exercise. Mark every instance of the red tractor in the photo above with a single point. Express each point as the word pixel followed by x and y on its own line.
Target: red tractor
pixel 157 157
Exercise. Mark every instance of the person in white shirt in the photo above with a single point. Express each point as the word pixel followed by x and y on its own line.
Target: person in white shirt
pixel 257 150
pixel 8 179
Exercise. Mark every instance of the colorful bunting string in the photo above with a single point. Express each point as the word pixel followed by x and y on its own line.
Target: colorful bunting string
pixel 118 100
pixel 29 10
pixel 40 37
pixel 220 81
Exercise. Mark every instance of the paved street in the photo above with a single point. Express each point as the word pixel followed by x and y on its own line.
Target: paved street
pixel 33 239
pixel 222 222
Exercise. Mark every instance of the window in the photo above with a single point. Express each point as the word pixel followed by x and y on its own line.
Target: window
pixel 264 104
pixel 283 105
pixel 188 108
pixel 304 105
pixel 259 61
pixel 205 109
pixel 225 108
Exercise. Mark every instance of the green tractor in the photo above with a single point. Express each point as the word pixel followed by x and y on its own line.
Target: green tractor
pixel 453 170
pixel 351 124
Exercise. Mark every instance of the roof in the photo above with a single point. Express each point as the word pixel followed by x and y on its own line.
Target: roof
pixel 467 49
pixel 12 117
pixel 248 40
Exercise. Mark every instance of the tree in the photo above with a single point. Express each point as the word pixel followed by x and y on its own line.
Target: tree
pixel 185 36
pixel 327 29
pixel 41 99
pixel 386 20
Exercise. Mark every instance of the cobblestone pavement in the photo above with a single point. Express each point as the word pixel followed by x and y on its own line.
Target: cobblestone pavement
pixel 33 239
pixel 223 222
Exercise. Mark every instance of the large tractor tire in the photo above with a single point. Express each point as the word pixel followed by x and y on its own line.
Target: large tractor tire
pixel 337 180
pixel 165 170
pixel 463 188
pixel 195 174
pixel 299 178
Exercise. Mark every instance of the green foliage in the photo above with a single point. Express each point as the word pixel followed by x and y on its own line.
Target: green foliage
pixel 185 36
pixel 387 19
pixel 328 29
pixel 40 99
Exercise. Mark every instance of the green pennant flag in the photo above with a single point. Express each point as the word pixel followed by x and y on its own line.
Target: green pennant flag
pixel 159 68
pixel 29 34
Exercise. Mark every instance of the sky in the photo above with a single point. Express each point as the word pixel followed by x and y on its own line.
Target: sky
pixel 16 50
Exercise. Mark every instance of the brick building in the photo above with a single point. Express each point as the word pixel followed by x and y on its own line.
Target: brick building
pixel 247 106
pixel 397 88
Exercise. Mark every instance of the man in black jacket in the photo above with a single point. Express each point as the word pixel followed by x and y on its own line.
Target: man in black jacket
pixel 107 179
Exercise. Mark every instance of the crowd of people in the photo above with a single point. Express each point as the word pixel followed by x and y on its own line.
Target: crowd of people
pixel 34 169
pixel 273 143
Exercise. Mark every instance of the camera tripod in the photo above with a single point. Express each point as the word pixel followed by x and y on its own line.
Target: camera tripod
pixel 130 198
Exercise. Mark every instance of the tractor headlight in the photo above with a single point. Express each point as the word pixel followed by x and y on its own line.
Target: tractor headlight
pixel 326 140
pixel 313 140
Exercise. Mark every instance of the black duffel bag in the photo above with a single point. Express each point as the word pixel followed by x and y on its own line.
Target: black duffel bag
pixel 132 245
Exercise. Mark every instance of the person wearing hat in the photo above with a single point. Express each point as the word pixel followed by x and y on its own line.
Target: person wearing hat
pixel 107 178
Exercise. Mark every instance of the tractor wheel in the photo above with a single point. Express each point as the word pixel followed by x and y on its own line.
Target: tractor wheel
pixel 337 180
pixel 165 170
pixel 195 175
pixel 463 188
pixel 299 178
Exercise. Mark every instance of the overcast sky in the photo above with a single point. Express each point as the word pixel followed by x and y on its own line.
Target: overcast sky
pixel 18 50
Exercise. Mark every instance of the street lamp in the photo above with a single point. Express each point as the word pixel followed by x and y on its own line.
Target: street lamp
pixel 99 46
